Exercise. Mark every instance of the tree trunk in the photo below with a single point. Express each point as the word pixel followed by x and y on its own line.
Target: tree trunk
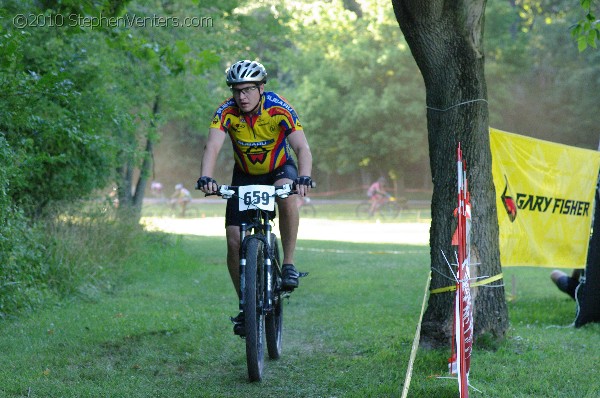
pixel 140 189
pixel 130 200
pixel 445 38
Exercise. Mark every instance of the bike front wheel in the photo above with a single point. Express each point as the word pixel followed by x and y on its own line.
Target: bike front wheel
pixel 274 318
pixel 363 211
pixel 253 308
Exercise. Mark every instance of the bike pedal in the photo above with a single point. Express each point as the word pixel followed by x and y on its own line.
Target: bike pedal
pixel 239 330
pixel 302 274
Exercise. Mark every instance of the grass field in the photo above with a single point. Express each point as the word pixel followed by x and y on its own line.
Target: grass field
pixel 320 208
pixel 163 330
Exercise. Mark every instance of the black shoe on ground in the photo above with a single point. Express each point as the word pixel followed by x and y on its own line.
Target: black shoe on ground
pixel 564 282
pixel 289 277
pixel 239 325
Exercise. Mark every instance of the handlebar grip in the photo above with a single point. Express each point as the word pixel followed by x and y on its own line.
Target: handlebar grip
pixel 312 185
pixel 204 180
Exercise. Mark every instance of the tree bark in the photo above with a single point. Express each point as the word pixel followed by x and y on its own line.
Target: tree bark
pixel 146 168
pixel 130 200
pixel 445 38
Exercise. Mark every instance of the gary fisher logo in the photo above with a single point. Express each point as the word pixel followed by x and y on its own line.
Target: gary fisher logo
pixel 542 204
pixel 509 203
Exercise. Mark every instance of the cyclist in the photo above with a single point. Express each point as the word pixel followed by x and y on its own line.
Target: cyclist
pixel 181 197
pixel 264 130
pixel 156 188
pixel 377 195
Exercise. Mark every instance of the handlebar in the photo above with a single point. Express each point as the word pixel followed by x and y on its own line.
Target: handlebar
pixel 281 191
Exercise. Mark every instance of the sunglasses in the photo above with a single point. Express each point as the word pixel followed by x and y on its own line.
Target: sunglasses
pixel 246 90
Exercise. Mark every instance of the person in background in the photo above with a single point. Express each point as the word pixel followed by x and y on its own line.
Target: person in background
pixel 265 131
pixel 181 197
pixel 566 283
pixel 156 188
pixel 377 195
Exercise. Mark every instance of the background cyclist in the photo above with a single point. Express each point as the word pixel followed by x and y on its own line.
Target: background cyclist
pixel 264 130
pixel 377 194
pixel 181 197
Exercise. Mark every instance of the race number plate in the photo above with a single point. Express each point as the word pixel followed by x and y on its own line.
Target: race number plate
pixel 257 196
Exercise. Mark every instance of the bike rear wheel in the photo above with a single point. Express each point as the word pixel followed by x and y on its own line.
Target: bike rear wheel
pixel 274 318
pixel 253 305
pixel 390 210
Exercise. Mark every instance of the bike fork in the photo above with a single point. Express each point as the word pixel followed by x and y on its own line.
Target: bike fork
pixel 243 232
pixel 268 268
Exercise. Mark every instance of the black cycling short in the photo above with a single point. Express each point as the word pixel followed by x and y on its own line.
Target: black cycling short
pixel 232 214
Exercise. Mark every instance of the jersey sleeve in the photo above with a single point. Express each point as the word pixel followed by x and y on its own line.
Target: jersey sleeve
pixel 218 121
pixel 295 124
pixel 278 106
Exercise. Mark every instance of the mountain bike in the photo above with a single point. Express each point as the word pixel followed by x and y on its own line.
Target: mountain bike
pixel 389 209
pixel 261 287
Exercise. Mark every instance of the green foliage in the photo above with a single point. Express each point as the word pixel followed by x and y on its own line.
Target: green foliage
pixel 538 83
pixel 20 252
pixel 78 104
pixel 587 30
pixel 48 260
pixel 53 147
pixel 23 276
pixel 78 253
pixel 362 96
pixel 50 120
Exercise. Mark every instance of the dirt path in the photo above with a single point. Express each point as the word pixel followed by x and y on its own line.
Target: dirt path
pixel 311 229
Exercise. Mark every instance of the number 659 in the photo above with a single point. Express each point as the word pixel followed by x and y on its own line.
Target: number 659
pixel 256 197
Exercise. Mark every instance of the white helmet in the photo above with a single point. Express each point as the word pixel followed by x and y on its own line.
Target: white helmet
pixel 246 72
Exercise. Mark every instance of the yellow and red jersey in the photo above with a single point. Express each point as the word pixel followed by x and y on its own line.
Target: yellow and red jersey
pixel 259 140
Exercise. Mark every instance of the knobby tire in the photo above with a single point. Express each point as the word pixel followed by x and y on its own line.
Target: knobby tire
pixel 254 279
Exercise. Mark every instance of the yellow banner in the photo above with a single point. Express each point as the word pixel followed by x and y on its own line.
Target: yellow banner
pixel 545 200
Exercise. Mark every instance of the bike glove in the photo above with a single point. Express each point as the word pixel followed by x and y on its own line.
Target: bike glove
pixel 204 181
pixel 304 180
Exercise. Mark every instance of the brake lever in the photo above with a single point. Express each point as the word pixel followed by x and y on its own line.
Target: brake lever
pixel 225 192
pixel 284 192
